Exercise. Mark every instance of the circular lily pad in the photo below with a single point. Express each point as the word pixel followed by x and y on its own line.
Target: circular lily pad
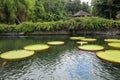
pixel 114 45
pixel 92 48
pixel 89 39
pixel 37 47
pixel 16 54
pixel 76 38
pixel 110 55
pixel 55 43
pixel 82 42
pixel 112 40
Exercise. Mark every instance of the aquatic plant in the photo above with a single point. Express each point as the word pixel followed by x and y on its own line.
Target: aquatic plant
pixel 37 47
pixel 109 55
pixel 55 43
pixel 91 47
pixel 16 54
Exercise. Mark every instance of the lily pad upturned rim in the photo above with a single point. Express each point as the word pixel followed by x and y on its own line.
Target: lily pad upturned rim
pixel 16 55
pixel 109 55
pixel 91 47
pixel 112 40
pixel 114 45
pixel 55 43
pixel 37 47
pixel 89 39
pixel 76 38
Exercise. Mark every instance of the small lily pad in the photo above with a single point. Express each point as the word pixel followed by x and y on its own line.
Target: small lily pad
pixel 112 40
pixel 37 47
pixel 16 54
pixel 110 55
pixel 82 42
pixel 92 48
pixel 114 45
pixel 89 39
pixel 56 43
pixel 76 38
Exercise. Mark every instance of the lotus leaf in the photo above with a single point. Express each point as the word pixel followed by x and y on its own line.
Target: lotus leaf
pixel 89 39
pixel 56 43
pixel 37 47
pixel 16 54
pixel 93 48
pixel 76 38
pixel 112 40
pixel 110 55
pixel 114 45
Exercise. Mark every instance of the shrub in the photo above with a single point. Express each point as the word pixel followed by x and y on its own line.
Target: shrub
pixel 74 24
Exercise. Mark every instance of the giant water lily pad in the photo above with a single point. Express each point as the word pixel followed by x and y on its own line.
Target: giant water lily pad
pixel 109 55
pixel 89 39
pixel 82 42
pixel 93 48
pixel 76 38
pixel 112 40
pixel 55 43
pixel 16 54
pixel 114 45
pixel 37 47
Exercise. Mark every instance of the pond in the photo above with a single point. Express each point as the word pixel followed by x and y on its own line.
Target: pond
pixel 65 62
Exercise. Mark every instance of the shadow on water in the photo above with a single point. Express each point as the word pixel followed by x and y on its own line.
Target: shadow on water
pixel 57 63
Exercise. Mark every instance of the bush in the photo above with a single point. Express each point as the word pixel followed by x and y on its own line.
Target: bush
pixel 74 24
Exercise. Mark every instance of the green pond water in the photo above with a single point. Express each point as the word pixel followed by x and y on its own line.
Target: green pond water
pixel 65 62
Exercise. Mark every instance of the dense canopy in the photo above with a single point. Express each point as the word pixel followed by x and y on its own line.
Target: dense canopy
pixel 106 8
pixel 17 11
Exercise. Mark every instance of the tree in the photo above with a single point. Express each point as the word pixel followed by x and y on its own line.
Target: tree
pixel 16 11
pixel 40 12
pixel 73 6
pixel 110 5
pixel 106 8
pixel 54 9
pixel 85 7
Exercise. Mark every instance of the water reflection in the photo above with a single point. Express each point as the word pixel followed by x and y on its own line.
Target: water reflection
pixel 58 63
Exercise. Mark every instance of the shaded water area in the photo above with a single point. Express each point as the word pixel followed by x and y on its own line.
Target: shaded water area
pixel 58 63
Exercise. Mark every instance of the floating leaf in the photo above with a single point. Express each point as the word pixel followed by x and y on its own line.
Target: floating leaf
pixel 110 55
pixel 112 40
pixel 55 43
pixel 93 48
pixel 114 45
pixel 37 47
pixel 16 54
pixel 76 38
pixel 89 39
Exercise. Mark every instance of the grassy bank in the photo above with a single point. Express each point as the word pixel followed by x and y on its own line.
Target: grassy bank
pixel 74 24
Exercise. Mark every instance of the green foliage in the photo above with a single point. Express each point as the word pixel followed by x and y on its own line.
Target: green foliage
pixel 74 24
pixel 85 7
pixel 55 9
pixel 18 11
pixel 73 6
pixel 106 8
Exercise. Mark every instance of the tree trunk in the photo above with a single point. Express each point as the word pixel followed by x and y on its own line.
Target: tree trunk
pixel 110 12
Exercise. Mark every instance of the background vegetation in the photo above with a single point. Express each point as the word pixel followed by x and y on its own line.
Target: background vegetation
pixel 54 15
pixel 106 8
pixel 76 24
pixel 17 11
